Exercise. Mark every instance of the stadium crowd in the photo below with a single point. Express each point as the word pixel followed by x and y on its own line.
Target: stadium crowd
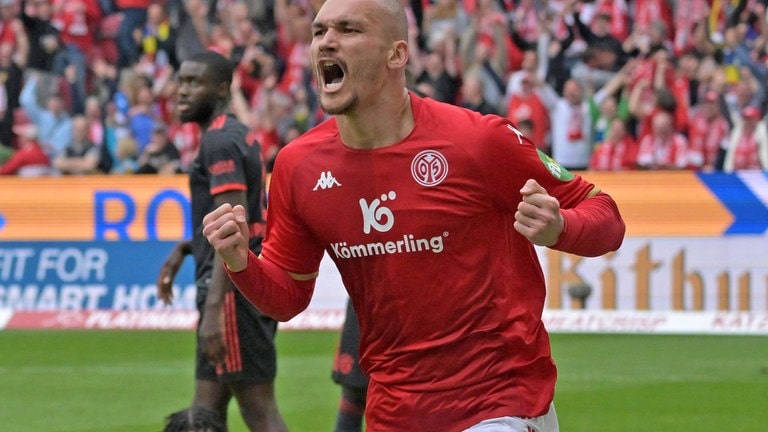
pixel 598 84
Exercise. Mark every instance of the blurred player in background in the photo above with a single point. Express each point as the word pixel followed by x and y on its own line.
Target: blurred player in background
pixel 431 213
pixel 346 373
pixel 235 347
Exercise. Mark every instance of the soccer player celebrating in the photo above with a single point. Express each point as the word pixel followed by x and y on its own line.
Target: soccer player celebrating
pixel 236 352
pixel 431 213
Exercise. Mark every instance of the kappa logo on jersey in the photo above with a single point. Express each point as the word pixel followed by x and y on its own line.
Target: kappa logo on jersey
pixel 326 181
pixel 557 170
pixel 429 168
pixel 377 216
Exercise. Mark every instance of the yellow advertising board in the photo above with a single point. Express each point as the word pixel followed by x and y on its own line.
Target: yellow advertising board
pixel 664 203
pixel 142 208
pixel 134 208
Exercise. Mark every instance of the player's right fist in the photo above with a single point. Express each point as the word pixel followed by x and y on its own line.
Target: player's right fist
pixel 226 229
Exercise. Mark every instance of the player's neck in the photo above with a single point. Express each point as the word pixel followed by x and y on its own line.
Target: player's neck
pixel 386 123
pixel 217 112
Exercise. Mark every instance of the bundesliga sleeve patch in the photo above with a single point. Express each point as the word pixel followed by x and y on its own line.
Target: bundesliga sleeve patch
pixel 554 168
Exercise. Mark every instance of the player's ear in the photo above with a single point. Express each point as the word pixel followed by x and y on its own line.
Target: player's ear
pixel 398 55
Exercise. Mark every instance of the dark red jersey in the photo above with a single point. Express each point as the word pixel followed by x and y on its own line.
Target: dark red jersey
pixel 225 161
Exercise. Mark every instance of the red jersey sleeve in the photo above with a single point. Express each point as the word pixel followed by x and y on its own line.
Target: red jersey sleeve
pixel 593 223
pixel 271 289
pixel 592 228
pixel 288 241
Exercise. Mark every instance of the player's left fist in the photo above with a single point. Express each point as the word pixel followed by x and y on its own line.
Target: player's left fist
pixel 538 216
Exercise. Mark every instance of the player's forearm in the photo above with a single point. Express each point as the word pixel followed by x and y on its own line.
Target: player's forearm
pixel 184 247
pixel 592 228
pixel 271 289
pixel 219 286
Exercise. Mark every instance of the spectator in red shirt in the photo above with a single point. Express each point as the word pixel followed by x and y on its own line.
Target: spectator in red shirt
pixel 664 147
pixel 29 160
pixel 617 152
pixel 527 105
pixel 12 31
pixel 618 16
pixel 747 147
pixel 687 15
pixel 76 21
pixel 708 131
pixel 650 13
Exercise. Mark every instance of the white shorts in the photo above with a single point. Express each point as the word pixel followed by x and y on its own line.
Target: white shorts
pixel 545 423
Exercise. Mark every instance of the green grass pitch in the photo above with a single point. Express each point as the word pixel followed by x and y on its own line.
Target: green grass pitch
pixel 120 381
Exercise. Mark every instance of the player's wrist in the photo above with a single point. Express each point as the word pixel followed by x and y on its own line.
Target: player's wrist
pixel 562 234
pixel 184 248
pixel 236 266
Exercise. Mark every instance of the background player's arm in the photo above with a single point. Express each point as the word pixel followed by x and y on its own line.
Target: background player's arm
pixel 211 332
pixel 169 269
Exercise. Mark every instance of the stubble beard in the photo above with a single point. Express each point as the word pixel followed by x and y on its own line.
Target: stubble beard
pixel 200 114
pixel 344 108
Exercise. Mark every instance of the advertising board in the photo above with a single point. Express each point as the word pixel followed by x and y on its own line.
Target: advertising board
pixel 84 252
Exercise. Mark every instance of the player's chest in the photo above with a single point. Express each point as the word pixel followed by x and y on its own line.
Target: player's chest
pixel 419 194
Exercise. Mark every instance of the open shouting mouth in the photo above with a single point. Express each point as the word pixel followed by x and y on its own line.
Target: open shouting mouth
pixel 332 75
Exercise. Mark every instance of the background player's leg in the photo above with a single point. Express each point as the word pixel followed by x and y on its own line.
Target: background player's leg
pixel 213 396
pixel 349 418
pixel 258 407
pixel 347 373
pixel 253 386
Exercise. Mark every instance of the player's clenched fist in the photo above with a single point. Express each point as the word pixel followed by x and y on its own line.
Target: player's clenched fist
pixel 226 229
pixel 538 215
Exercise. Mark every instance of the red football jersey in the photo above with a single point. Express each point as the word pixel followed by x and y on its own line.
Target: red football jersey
pixel 449 295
